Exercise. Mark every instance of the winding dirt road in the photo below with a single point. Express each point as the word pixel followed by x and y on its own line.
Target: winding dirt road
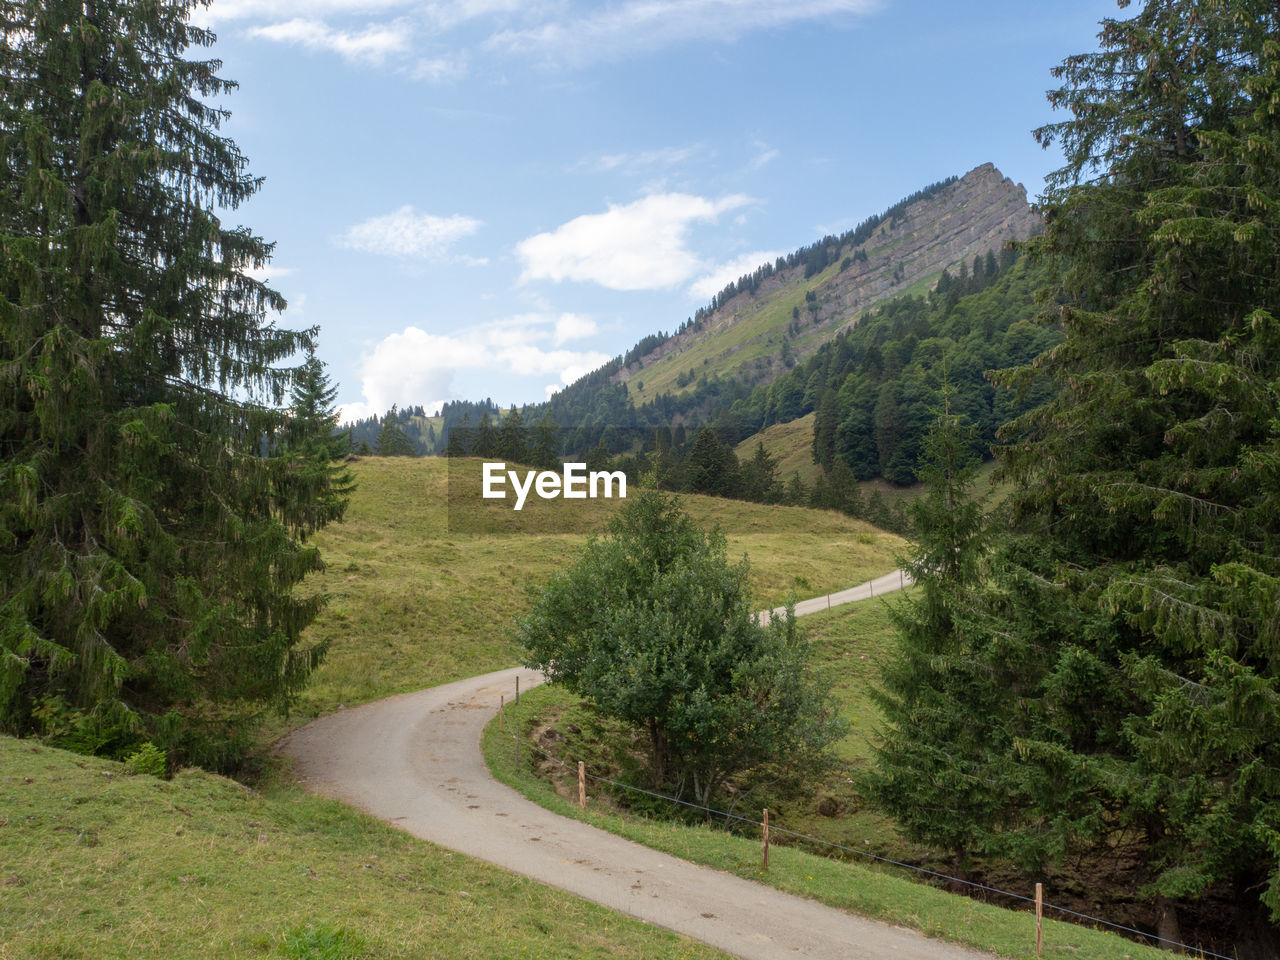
pixel 414 760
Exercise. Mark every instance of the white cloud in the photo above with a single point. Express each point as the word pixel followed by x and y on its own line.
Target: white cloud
pixel 708 285
pixel 373 44
pixel 636 246
pixel 268 272
pixel 650 24
pixel 642 161
pixel 454 12
pixel 221 11
pixel 574 326
pixel 407 234
pixel 765 155
pixel 564 32
pixel 438 69
pixel 415 366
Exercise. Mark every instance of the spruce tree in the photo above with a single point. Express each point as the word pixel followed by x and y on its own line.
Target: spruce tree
pixel 1146 493
pixel 940 770
pixel 148 550
pixel 544 449
pixel 486 438
pixel 392 440
pixel 513 442
pixel 313 439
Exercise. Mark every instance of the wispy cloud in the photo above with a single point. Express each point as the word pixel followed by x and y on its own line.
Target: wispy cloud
pixel 407 234
pixel 635 246
pixel 429 41
pixel 642 161
pixel 373 44
pixel 223 11
pixel 641 25
pixel 765 155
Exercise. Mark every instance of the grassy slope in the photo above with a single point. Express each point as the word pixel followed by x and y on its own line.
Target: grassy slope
pixel 95 863
pixel 412 605
pixel 757 329
pixel 752 332
pixel 848 643
pixel 792 444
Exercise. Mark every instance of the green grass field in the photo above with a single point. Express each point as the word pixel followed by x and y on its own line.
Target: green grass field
pixel 412 604
pixel 98 864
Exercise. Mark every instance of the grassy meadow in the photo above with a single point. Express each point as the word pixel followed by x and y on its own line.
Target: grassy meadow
pixel 413 604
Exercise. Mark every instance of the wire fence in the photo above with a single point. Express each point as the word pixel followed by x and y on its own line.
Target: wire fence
pixel 775 829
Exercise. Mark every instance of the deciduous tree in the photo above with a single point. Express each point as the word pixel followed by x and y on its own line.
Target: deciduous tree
pixel 654 626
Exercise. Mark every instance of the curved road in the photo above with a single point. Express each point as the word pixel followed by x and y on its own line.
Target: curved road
pixel 414 760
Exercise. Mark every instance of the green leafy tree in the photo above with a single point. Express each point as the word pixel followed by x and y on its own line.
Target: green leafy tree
pixel 1146 499
pixel 148 549
pixel 652 625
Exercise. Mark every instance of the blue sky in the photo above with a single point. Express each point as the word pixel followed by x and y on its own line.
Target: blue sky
pixel 491 197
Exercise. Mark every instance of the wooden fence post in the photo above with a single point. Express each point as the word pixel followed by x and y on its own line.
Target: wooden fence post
pixel 582 784
pixel 1039 915
pixel 517 691
pixel 502 713
pixel 766 837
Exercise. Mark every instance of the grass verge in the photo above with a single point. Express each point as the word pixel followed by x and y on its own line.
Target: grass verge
pixel 99 864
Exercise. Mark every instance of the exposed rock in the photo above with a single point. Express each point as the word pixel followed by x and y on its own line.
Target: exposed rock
pixel 982 211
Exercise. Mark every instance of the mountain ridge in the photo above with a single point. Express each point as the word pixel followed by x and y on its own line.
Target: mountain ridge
pixel 910 245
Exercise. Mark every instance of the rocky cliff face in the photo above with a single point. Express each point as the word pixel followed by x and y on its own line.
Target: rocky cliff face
pixel 980 212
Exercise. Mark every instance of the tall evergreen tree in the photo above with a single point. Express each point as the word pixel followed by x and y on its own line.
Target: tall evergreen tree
pixel 392 440
pixel 544 450
pixel 312 436
pixel 513 441
pixel 486 440
pixel 147 549
pixel 1146 500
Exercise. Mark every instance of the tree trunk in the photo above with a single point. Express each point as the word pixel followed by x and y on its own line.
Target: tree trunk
pixel 1167 926
pixel 657 754
pixel 1256 936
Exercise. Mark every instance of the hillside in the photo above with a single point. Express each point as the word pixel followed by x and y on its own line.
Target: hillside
pixel 904 250
pixel 414 603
